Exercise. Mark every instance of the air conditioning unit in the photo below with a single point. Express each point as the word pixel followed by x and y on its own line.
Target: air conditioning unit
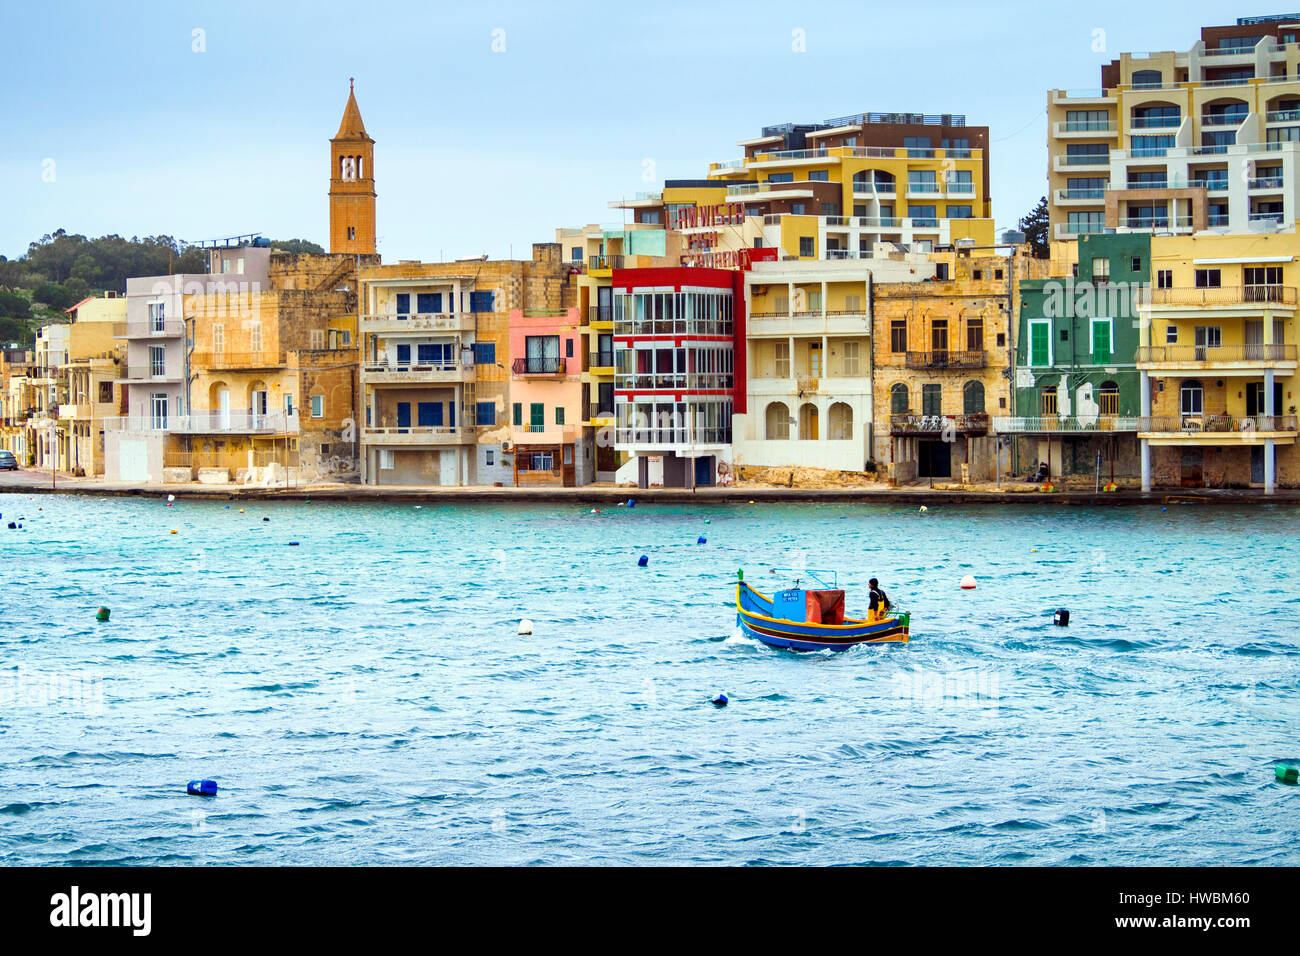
pixel 506 446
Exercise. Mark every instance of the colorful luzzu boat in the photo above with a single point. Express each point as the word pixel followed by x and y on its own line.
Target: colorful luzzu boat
pixel 805 619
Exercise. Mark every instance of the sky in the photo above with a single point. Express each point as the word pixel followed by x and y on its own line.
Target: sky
pixel 494 123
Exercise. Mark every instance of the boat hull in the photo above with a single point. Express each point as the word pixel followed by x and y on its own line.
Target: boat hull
pixel 753 614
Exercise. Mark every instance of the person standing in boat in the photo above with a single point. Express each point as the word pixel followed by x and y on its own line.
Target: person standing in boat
pixel 879 604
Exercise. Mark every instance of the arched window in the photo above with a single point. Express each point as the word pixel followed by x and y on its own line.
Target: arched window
pixel 1157 116
pixel 1191 398
pixel 973 398
pixel 778 422
pixel 1108 398
pixel 841 421
pixel 899 402
pixel 808 422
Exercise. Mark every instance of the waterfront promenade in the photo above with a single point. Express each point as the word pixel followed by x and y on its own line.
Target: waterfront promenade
pixel 612 495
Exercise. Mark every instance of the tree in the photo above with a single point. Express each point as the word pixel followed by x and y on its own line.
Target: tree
pixel 297 246
pixel 78 287
pixel 53 295
pixel 14 304
pixel 1035 226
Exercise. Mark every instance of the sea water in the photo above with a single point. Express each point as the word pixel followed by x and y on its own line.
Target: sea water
pixel 362 697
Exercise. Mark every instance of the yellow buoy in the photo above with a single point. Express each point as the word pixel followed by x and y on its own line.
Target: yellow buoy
pixel 173 530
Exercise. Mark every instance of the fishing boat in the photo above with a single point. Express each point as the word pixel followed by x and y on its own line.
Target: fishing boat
pixel 810 619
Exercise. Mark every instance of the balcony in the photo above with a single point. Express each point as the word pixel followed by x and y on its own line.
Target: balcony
pixel 415 373
pixel 233 422
pixel 1223 296
pixel 1156 122
pixel 944 359
pixel 924 425
pixel 960 189
pixel 856 322
pixel 1064 425
pixel 149 329
pixel 600 316
pixel 538 366
pixel 865 190
pixel 1282 116
pixel 603 265
pixel 444 322
pixel 420 435
pixel 1081 128
pixel 600 417
pixel 1221 358
pixel 1080 161
pixel 671 438
pixel 1090 196
pixel 601 363
pixel 1270 183
pixel 924 188
pixel 1222 119
pixel 1068 230
pixel 150 373
pixel 1216 429
pixel 234 361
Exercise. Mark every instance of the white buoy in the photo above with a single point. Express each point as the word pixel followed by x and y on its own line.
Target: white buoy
pixel 924 509
pixel 171 497
pixel 968 582
pixel 525 627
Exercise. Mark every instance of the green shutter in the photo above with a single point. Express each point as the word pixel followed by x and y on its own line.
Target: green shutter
pixel 537 415
pixel 519 413
pixel 559 414
pixel 1040 334
pixel 1100 342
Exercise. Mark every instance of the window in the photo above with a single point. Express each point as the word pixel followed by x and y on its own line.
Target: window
pixel 255 338
pixel 852 359
pixel 536 417
pixel 959 212
pixel 975 334
pixel 485 353
pixel 972 394
pixel 1108 398
pixel 1040 342
pixel 1208 279
pixel 1135 264
pixel 1171 334
pixel 386 459
pixel 923 216
pixel 559 414
pixel 780 177
pixel 1085 223
pixel 777 422
pixel 157 361
pixel 403 303
pixel 288 404
pixel 1102 341
pixel 806 246
pixel 1191 398
pixel 898 335
pixel 518 414
pixel 1047 401
pixel 218 338
pixel 1209 336
pixel 818 176
pixel 917 145
pixel 1100 269
pixel 941 271
pixel 481 302
pixel 922 181
pixel 318 406
pixel 489 456
pixel 781 359
pixel 939 335
pixel 1164 278
pixel 899 402
pixel 932 399
pixel 841 421
pixel 543 354
pixel 157 316
pixel 404 355
pixel 485 413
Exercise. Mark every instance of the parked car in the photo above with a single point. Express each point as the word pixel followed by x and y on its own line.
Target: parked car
pixel 7 461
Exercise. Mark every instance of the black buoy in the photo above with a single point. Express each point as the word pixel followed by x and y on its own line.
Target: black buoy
pixel 12 525
pixel 1061 618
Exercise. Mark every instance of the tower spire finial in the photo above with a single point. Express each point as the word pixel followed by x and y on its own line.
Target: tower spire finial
pixel 351 81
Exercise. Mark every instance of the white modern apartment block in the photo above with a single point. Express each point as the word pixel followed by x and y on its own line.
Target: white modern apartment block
pixel 1183 142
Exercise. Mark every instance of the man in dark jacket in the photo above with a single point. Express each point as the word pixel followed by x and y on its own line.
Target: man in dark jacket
pixel 879 603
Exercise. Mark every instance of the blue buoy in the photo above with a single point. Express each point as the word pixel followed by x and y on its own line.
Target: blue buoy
pixel 721 699
pixel 266 519
pixel 701 540
pixel 202 788
pixel 12 525
pixel 293 544
pixel 642 561
pixel 631 502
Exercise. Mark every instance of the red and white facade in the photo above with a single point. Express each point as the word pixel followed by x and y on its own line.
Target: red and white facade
pixel 679 350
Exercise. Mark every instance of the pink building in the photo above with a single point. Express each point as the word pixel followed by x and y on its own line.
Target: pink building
pixel 546 365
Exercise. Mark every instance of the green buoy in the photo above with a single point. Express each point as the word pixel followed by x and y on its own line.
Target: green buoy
pixel 1287 774
pixel 740 574
pixel 101 614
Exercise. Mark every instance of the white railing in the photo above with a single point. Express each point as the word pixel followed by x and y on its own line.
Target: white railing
pixel 235 420
pixel 1064 423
